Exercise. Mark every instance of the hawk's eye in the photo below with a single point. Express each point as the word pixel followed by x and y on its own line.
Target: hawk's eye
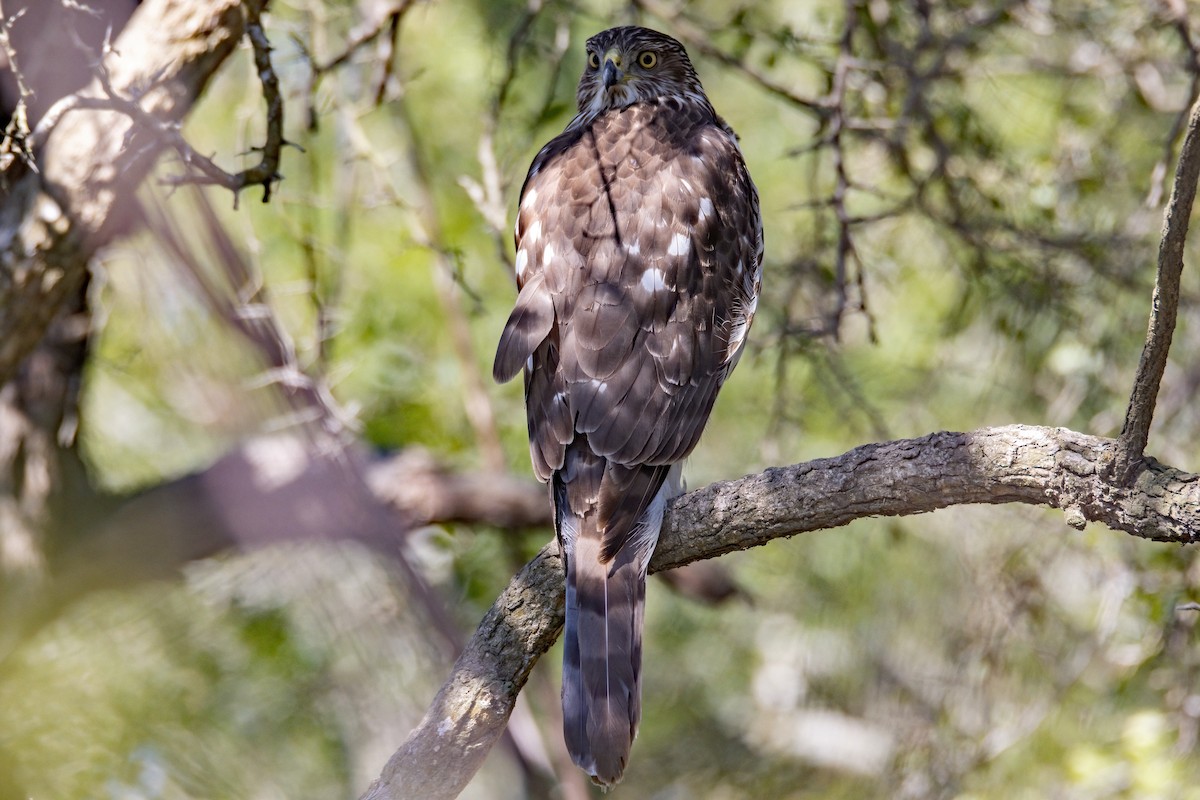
pixel 647 59
pixel 593 61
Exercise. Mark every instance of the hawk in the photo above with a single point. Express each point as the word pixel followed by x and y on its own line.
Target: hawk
pixel 639 259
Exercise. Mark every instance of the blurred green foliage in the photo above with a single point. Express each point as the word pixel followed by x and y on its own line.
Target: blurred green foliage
pixel 1000 158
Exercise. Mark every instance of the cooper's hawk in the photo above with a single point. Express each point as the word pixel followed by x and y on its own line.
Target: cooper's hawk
pixel 639 259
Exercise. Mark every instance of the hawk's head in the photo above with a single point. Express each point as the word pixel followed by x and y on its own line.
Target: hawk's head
pixel 630 64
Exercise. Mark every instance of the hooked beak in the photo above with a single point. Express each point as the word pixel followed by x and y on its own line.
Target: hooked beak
pixel 611 73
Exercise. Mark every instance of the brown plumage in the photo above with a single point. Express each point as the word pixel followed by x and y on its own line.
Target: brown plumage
pixel 639 254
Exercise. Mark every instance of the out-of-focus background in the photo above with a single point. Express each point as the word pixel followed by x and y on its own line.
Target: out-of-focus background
pixel 962 203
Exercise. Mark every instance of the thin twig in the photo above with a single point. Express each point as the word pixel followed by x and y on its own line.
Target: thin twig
pixel 266 172
pixel 513 54
pixel 201 170
pixel 476 401
pixel 388 21
pixel 701 41
pixel 846 252
pixel 488 194
pixel 23 90
pixel 240 300
pixel 1158 177
pixel 387 58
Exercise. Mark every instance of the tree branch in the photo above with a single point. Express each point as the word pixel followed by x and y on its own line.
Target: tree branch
pixel 428 492
pixel 378 20
pixel 94 158
pixel 283 488
pixel 1052 467
pixel 1164 306
pixel 266 172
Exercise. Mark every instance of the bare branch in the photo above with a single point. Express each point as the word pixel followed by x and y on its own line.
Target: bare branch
pixel 266 172
pixel 846 251
pixel 471 710
pixel 95 158
pixel 488 194
pixel 240 299
pixel 699 40
pixel 202 170
pixel 1164 306
pixel 274 489
pixel 385 19
pixel 476 400
pixel 1179 20
pixel 1051 467
pixel 428 492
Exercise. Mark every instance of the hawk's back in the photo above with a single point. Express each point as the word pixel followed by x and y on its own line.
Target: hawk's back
pixel 642 228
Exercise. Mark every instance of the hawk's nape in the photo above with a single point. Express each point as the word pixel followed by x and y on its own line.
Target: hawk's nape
pixel 639 261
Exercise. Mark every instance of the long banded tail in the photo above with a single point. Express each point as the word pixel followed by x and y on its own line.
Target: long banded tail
pixel 602 655
pixel 602 660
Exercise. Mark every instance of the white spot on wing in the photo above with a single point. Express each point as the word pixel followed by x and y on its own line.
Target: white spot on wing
pixel 547 255
pixel 522 262
pixel 653 280
pixel 736 338
pixel 680 244
pixel 601 386
pixel 530 198
pixel 535 231
pixel 633 248
pixel 706 207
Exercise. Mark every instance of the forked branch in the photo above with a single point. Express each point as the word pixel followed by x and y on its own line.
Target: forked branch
pixel 1051 467
pixel 1165 306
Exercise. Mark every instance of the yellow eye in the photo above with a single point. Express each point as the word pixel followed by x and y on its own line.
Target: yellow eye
pixel 647 59
pixel 593 61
